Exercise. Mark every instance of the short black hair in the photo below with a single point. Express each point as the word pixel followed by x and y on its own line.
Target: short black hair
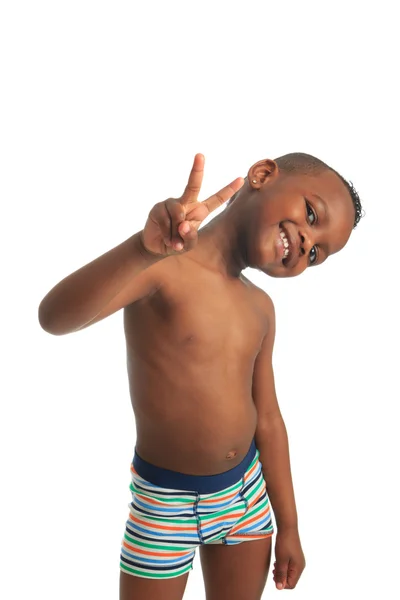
pixel 299 162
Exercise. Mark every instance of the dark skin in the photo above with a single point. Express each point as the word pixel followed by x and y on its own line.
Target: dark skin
pixel 199 351
pixel 185 326
pixel 203 386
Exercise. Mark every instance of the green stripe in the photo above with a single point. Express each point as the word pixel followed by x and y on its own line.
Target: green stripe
pixel 255 509
pixel 154 575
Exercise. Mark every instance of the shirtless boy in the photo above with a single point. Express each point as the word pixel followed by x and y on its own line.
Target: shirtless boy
pixel 211 445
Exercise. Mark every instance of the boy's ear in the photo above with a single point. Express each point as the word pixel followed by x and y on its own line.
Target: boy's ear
pixel 261 172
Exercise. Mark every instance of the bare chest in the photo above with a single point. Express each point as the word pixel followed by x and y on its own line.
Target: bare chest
pixel 198 318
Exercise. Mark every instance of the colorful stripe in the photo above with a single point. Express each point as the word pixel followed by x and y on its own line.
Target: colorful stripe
pixel 165 526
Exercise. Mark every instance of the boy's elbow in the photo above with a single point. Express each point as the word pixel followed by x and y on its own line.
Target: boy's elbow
pixel 272 423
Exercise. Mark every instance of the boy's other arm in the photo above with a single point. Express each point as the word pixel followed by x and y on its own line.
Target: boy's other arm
pixel 272 443
pixel 271 435
pixel 97 290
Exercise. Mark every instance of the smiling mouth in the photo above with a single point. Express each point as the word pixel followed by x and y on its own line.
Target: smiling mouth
pixel 285 243
pixel 288 248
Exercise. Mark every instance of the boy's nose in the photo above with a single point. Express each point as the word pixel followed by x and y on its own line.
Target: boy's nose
pixel 306 243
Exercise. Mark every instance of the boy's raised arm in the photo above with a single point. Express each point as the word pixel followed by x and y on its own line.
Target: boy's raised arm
pixel 121 276
pixel 100 288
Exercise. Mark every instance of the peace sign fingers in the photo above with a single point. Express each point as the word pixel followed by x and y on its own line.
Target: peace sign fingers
pixel 191 193
pixel 218 199
pixel 172 225
pixel 195 180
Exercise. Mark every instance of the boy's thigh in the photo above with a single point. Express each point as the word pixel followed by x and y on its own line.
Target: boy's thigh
pixel 237 571
pixel 132 587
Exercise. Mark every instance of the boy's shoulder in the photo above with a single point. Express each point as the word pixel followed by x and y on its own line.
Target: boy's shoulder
pixel 260 296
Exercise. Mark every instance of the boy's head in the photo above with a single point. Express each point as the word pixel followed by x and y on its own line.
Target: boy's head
pixel 296 211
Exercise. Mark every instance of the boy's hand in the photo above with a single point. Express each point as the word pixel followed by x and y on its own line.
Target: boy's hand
pixel 290 561
pixel 171 227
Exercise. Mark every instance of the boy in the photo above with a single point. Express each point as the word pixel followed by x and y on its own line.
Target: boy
pixel 211 447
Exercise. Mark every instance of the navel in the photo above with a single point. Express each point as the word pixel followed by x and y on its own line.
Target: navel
pixel 231 454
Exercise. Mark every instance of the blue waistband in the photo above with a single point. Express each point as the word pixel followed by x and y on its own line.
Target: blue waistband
pixel 203 484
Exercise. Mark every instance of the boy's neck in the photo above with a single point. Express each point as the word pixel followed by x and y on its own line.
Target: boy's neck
pixel 221 246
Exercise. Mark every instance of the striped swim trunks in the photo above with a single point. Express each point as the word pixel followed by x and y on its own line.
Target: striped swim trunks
pixel 172 513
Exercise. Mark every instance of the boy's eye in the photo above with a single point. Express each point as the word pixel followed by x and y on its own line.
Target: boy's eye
pixel 313 255
pixel 312 217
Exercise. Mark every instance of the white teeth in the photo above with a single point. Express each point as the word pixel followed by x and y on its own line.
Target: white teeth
pixel 285 243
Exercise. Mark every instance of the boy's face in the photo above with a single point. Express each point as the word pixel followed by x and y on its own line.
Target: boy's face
pixel 298 221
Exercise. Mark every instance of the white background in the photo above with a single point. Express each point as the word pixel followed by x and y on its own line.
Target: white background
pixel 103 107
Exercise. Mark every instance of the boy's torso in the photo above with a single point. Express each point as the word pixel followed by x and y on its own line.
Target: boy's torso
pixel 191 348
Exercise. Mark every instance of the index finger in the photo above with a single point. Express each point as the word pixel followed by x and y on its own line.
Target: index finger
pixel 218 199
pixel 195 180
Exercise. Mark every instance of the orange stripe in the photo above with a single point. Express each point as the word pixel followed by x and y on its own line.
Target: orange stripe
pixel 248 475
pixel 211 521
pixel 153 501
pixel 220 499
pixel 166 527
pixel 257 496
